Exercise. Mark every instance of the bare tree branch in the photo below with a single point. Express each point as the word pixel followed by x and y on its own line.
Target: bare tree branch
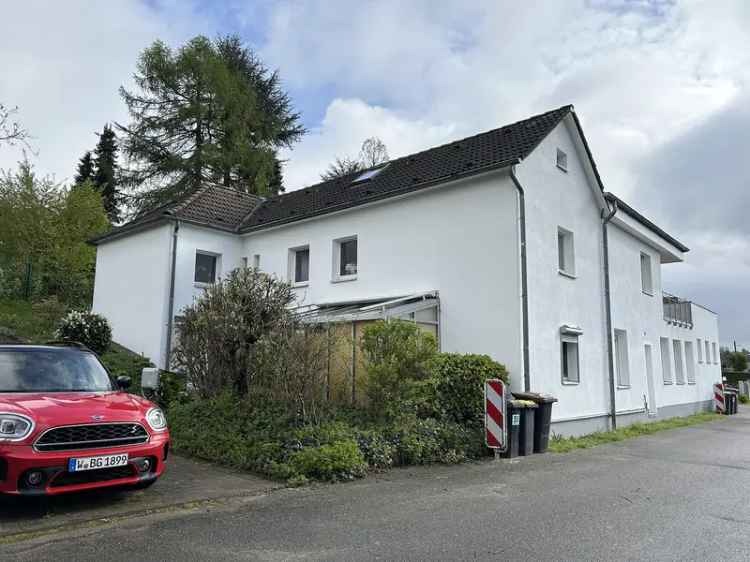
pixel 11 131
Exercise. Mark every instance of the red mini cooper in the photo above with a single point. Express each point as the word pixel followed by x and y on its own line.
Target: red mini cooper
pixel 65 428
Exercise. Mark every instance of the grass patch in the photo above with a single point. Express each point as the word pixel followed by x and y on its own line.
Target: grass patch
pixel 560 444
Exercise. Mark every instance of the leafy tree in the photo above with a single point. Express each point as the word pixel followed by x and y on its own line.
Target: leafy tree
pixel 206 111
pixel 105 176
pixel 734 360
pixel 85 170
pixel 372 153
pixel 11 131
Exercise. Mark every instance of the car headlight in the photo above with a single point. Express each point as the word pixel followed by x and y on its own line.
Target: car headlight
pixel 15 427
pixel 156 419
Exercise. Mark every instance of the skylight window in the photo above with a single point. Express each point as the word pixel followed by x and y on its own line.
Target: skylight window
pixel 369 174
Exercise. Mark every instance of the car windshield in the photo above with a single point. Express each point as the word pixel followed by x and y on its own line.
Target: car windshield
pixel 51 370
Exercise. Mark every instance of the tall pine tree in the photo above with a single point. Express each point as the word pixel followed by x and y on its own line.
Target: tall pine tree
pixel 105 176
pixel 206 111
pixel 85 170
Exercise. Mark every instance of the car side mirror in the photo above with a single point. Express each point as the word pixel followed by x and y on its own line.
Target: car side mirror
pixel 150 378
pixel 123 383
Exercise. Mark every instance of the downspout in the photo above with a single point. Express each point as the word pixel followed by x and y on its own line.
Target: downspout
pixel 524 279
pixel 608 306
pixel 170 318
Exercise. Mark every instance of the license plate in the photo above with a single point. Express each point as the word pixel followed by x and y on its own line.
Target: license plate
pixel 94 463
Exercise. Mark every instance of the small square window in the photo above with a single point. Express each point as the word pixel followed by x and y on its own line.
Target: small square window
pixel 569 359
pixel 647 284
pixel 345 259
pixel 562 160
pixel 205 268
pixel 565 252
pixel 300 265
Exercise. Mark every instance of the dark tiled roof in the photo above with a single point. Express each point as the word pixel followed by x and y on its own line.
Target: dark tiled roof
pixel 492 149
pixel 628 210
pixel 211 205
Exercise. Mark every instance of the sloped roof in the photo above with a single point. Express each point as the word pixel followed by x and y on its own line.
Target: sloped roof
pixel 631 212
pixel 211 205
pixel 492 149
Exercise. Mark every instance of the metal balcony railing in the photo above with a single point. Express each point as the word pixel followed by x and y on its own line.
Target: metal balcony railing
pixel 677 311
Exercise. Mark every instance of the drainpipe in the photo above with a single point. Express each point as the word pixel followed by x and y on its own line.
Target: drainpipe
pixel 608 306
pixel 168 350
pixel 524 279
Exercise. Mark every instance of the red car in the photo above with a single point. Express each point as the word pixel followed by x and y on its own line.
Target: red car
pixel 64 427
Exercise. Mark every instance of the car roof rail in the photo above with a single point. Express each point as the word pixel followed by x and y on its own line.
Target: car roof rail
pixel 68 343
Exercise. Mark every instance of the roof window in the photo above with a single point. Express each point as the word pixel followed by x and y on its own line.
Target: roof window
pixel 369 174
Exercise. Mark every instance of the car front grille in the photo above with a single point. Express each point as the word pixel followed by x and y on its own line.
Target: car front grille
pixel 90 476
pixel 93 436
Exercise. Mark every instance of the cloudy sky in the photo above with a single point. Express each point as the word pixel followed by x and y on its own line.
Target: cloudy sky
pixel 662 89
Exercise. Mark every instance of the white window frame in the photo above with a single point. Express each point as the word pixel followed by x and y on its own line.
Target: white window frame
pixel 665 353
pixel 217 267
pixel 561 159
pixel 690 362
pixel 293 265
pixel 622 360
pixel 708 351
pixel 699 347
pixel 566 252
pixel 647 275
pixel 679 362
pixel 565 340
pixel 715 351
pixel 336 276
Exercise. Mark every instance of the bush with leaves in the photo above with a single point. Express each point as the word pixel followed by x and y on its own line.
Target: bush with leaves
pixel 459 385
pixel 217 341
pixel 88 328
pixel 397 355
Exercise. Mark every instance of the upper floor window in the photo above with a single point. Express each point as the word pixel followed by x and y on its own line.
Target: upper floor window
pixel 345 258
pixel 205 267
pixel 647 283
pixel 716 355
pixel 708 352
pixel 300 265
pixel 699 347
pixel 562 160
pixel 565 252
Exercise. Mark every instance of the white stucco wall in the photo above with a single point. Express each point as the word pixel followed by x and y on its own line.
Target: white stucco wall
pixel 555 198
pixel 131 289
pixel 459 239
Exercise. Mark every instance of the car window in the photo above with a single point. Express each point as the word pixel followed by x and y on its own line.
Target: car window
pixel 63 370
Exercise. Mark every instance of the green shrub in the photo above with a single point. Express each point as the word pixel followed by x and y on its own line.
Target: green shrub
pixel 88 328
pixel 397 355
pixel 459 385
pixel 341 460
pixel 376 450
pixel 744 399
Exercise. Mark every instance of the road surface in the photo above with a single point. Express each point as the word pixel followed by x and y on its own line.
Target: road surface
pixel 677 495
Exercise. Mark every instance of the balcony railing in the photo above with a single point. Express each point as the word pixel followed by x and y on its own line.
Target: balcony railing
pixel 677 311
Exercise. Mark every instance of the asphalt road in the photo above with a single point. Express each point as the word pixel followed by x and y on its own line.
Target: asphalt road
pixel 677 495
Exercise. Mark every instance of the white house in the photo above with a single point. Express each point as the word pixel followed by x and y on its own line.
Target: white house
pixel 505 243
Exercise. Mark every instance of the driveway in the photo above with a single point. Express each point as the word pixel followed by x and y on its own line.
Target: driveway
pixel 682 494
pixel 185 483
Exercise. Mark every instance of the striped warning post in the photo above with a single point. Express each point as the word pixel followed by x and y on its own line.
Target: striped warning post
pixel 494 414
pixel 719 402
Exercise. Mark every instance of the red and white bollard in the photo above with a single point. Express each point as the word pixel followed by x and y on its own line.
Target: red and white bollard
pixel 719 400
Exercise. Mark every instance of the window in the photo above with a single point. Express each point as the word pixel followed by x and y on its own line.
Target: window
pixel 716 355
pixel 299 265
pixel 621 358
pixel 678 362
pixel 708 353
pixel 565 252
pixel 256 261
pixel 699 347
pixel 244 262
pixel 647 284
pixel 666 361
pixel 345 259
pixel 569 358
pixel 562 160
pixel 690 362
pixel 205 268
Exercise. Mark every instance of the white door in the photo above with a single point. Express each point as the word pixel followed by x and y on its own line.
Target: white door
pixel 650 379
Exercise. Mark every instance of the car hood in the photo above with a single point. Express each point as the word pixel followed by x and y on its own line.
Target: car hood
pixel 51 409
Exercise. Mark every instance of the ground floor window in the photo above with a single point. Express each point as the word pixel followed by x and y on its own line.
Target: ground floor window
pixel 621 358
pixel 569 358
pixel 666 361
pixel 679 370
